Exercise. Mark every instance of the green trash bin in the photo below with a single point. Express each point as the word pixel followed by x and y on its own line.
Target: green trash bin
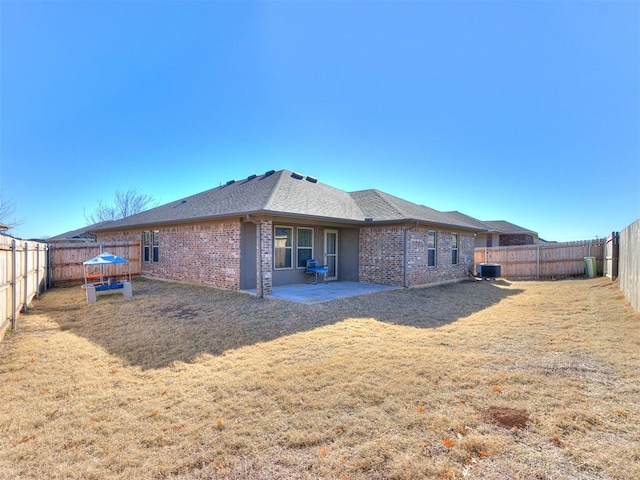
pixel 590 267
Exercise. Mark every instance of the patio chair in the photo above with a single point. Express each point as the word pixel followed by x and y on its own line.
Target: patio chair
pixel 314 269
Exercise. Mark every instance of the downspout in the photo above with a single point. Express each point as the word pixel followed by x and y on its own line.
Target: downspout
pixel 405 282
pixel 259 285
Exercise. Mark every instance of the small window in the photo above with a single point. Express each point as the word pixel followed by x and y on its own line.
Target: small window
pixel 283 247
pixel 155 246
pixel 431 248
pixel 146 246
pixel 150 246
pixel 454 249
pixel 305 246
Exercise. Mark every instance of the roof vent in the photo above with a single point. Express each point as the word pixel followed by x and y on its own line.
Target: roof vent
pixel 297 176
pixel 231 182
pixel 368 219
pixel 251 177
pixel 270 172
pixel 312 179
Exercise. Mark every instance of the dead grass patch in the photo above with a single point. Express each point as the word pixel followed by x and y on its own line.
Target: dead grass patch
pixel 486 380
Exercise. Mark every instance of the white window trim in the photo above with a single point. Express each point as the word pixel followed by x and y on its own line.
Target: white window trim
pixel 434 248
pixel 312 248
pixel 151 245
pixel 456 249
pixel 290 247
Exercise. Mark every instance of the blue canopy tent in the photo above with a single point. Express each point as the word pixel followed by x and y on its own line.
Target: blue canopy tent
pixel 105 258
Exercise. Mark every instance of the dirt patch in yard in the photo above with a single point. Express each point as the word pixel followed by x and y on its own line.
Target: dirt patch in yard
pixel 484 380
pixel 507 417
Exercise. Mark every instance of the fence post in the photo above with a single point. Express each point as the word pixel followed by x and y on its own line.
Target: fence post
pixel 37 270
pixel 538 263
pixel 49 266
pixel 46 266
pixel 26 277
pixel 14 287
pixel 610 255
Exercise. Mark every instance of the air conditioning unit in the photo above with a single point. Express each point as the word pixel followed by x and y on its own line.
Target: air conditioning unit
pixel 488 270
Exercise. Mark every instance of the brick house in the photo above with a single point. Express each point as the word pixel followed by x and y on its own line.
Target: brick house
pixel 500 233
pixel 505 234
pixel 258 232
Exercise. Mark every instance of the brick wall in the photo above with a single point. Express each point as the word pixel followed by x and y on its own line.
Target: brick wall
pixel 418 273
pixel 264 260
pixel 382 256
pixel 512 240
pixel 207 254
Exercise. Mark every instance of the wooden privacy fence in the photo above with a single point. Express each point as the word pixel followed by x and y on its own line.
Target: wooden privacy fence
pixel 65 261
pixel 23 266
pixel 543 260
pixel 611 256
pixel 629 264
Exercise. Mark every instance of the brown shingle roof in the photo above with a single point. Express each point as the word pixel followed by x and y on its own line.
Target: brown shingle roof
pixel 502 226
pixel 81 234
pixel 382 206
pixel 288 193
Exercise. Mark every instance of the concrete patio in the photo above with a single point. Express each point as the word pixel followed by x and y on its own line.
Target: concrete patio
pixel 311 293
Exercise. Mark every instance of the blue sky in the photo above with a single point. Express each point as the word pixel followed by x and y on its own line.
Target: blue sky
pixel 526 111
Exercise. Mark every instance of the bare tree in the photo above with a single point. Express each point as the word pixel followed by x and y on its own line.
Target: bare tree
pixel 7 213
pixel 124 204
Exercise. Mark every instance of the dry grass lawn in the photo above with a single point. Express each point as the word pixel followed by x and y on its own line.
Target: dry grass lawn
pixel 479 380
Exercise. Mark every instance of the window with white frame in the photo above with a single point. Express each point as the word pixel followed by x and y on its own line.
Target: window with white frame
pixel 431 248
pixel 454 249
pixel 283 247
pixel 304 246
pixel 150 246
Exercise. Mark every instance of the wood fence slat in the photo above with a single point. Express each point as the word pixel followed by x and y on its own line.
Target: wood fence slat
pixel 543 260
pixel 66 268
pixel 629 264
pixel 22 272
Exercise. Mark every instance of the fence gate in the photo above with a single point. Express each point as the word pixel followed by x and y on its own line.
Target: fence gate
pixel 611 254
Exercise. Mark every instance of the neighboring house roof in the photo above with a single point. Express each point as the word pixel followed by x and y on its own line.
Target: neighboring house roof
pixel 479 224
pixel 496 226
pixel 507 228
pixel 290 194
pixel 82 234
